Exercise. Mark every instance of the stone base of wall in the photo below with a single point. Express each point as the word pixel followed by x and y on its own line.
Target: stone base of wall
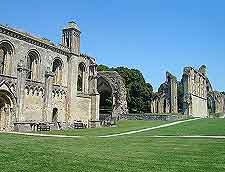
pixel 22 127
pixel 152 117
pixel 32 126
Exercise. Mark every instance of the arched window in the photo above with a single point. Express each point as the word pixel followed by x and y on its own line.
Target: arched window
pixel 57 70
pixel 80 79
pixel 32 65
pixel 6 52
pixel 55 115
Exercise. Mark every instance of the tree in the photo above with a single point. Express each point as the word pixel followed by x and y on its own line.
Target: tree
pixel 102 67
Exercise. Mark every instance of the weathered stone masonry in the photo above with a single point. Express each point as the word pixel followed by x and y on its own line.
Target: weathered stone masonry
pixel 165 100
pixel 198 97
pixel 43 82
pixel 195 93
pixel 111 82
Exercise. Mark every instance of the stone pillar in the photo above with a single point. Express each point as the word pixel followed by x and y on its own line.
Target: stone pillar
pixel 21 78
pixel 71 85
pixel 172 84
pixel 95 97
pixel 47 109
pixel 92 90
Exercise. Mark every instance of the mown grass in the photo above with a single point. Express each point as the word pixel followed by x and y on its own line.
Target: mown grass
pixel 122 126
pixel 131 153
pixel 204 127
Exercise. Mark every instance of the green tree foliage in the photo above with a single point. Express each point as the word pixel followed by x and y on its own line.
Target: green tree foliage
pixel 102 67
pixel 139 92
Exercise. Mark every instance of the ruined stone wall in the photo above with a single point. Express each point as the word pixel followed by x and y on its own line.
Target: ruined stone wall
pixel 82 102
pixel 172 92
pixel 37 97
pixel 165 100
pixel 33 103
pixel 21 50
pixel 117 87
pixel 59 102
pixel 216 102
pixel 195 93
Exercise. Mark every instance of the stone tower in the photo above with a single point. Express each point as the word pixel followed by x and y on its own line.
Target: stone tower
pixel 71 37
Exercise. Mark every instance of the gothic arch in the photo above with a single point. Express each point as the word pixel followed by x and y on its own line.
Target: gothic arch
pixel 57 69
pixel 33 64
pixel 6 54
pixel 211 104
pixel 9 44
pixel 111 82
pixel 81 77
pixel 7 107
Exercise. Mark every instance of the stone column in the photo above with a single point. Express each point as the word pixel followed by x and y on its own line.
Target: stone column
pixel 47 106
pixel 95 98
pixel 92 90
pixel 71 86
pixel 21 78
pixel 172 84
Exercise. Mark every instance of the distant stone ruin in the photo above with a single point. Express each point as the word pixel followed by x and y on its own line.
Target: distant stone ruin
pixel 198 97
pixel 195 92
pixel 216 102
pixel 165 101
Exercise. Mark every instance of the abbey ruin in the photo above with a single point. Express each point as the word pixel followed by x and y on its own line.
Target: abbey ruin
pixel 197 99
pixel 44 82
pixel 41 82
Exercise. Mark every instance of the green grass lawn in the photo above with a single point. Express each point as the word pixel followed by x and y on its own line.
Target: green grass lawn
pixel 122 126
pixel 131 153
pixel 204 127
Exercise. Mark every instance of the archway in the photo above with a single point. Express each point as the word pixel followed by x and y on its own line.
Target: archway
pixel 6 109
pixel 81 77
pixel 106 99
pixel 112 92
pixel 57 70
pixel 33 65
pixel 55 115
pixel 6 52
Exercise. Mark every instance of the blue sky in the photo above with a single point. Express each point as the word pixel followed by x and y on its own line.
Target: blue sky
pixel 151 35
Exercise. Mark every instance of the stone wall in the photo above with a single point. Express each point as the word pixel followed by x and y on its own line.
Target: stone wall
pixel 32 108
pixel 45 77
pixel 152 117
pixel 216 102
pixel 78 107
pixel 195 93
pixel 199 107
pixel 165 100
pixel 112 82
